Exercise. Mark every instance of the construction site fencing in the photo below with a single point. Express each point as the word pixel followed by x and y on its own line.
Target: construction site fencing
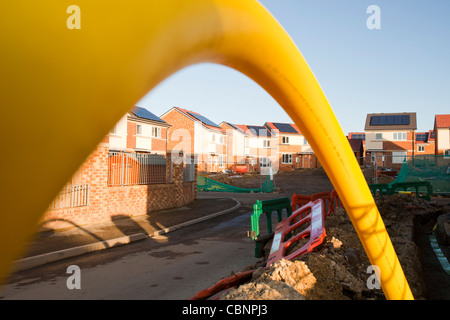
pixel 126 168
pixel 390 169
pixel 206 184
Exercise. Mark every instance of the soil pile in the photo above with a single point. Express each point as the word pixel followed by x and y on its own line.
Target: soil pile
pixel 339 269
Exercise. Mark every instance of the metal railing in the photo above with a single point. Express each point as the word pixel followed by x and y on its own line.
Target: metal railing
pixel 71 196
pixel 125 169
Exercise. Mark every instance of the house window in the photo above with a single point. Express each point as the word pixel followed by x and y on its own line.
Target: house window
pixel 113 130
pixel 305 141
pixel 213 137
pixel 421 148
pixel 264 162
pixel 221 161
pixel 378 136
pixel 398 157
pixel 138 129
pixel 285 140
pixel 286 158
pixel 156 132
pixel 447 154
pixel 222 139
pixel 400 136
pixel 266 143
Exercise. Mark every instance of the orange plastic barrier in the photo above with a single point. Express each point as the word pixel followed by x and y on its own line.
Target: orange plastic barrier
pixel 331 200
pixel 223 284
pixel 316 231
pixel 241 169
pixel 299 201
pixel 335 202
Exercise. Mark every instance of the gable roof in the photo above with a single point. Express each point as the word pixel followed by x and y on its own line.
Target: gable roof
pixel 200 118
pixel 286 128
pixel 233 126
pixel 391 121
pixel 256 131
pixel 143 113
pixel 442 120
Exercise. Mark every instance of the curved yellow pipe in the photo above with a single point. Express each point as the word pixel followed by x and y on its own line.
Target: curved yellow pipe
pixel 63 89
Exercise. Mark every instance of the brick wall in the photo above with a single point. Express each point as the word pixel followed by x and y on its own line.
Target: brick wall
pixel 131 135
pixel 179 121
pixel 106 202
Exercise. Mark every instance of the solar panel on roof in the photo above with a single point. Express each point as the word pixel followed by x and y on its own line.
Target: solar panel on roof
pixel 405 119
pixel 285 127
pixel 390 120
pixel 145 114
pixel 359 136
pixel 375 121
pixel 422 137
pixel 259 131
pixel 232 125
pixel 204 119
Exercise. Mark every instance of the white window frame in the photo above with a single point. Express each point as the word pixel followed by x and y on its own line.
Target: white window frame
pixel 420 148
pixel 221 161
pixel 379 136
pixel 286 158
pixel 266 144
pixel 285 140
pixel 264 162
pixel 400 136
pixel 139 129
pixel 156 130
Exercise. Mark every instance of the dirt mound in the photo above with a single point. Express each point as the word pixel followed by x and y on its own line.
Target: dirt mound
pixel 339 269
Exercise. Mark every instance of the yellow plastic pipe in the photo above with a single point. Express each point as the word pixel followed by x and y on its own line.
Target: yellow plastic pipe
pixel 62 89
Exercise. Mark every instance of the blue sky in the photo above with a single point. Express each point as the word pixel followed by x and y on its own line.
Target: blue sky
pixel 402 67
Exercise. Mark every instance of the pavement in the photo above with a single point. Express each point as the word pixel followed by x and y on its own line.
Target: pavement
pixel 50 245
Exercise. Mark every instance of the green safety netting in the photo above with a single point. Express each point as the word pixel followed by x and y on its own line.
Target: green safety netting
pixel 434 169
pixel 207 184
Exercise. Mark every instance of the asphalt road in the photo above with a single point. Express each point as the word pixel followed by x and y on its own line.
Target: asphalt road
pixel 171 267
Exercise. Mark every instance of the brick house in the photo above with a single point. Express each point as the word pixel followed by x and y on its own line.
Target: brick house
pixel 358 135
pixel 390 137
pixel 260 148
pixel 294 150
pixel 425 143
pixel 442 134
pixel 236 150
pixel 358 149
pixel 198 137
pixel 127 174
pixel 139 131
